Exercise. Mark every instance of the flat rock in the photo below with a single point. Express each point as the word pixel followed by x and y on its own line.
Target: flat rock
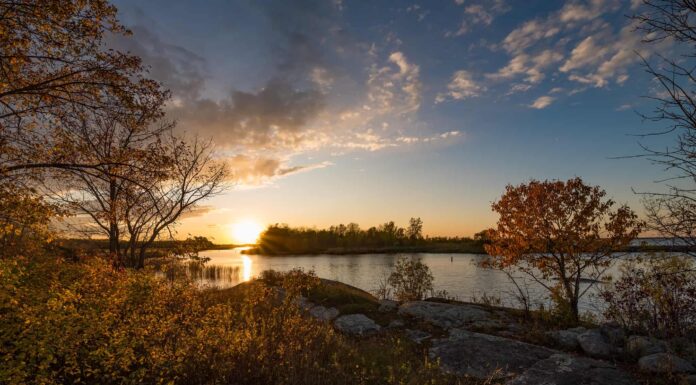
pixel 356 324
pixel 387 305
pixel 397 323
pixel 566 339
pixel 564 369
pixel 640 346
pixel 594 344
pixel 665 363
pixel 481 356
pixel 417 336
pixel 444 315
pixel 323 313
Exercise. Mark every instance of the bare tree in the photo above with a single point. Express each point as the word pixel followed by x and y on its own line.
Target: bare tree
pixel 673 212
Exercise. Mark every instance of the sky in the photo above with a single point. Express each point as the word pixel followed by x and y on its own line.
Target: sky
pixel 337 111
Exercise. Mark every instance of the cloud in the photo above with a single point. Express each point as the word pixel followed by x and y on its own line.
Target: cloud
pixel 478 14
pixel 542 102
pixel 394 88
pixel 532 67
pixel 255 171
pixel 461 86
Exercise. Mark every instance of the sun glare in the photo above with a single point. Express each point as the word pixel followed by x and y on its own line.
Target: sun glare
pixel 246 231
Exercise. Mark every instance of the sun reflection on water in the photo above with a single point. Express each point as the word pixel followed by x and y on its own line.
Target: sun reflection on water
pixel 246 268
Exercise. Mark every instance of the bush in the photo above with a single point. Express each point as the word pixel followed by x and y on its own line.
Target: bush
pixel 64 322
pixel 658 298
pixel 411 279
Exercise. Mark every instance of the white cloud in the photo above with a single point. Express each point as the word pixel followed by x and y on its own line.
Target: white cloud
pixel 395 91
pixel 542 102
pixel 478 14
pixel 531 66
pixel 461 86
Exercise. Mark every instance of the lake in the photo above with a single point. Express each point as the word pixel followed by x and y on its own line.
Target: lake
pixel 458 274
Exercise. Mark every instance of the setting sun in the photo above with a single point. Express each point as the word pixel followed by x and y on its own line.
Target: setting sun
pixel 246 231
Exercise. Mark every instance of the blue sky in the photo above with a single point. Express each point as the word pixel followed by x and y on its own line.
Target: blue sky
pixel 366 111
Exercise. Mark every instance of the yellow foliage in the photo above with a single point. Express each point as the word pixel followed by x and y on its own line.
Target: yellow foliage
pixel 63 322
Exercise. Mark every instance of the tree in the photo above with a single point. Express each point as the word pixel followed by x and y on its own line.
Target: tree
pixel 415 229
pixel 55 70
pixel 559 234
pixel 411 279
pixel 673 212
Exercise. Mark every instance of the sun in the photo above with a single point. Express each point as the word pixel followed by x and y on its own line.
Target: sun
pixel 246 231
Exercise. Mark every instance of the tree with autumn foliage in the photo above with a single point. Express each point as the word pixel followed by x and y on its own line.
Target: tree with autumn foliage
pixel 56 72
pixel 561 234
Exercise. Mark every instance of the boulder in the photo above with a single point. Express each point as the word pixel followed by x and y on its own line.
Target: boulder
pixel 566 339
pixel 466 353
pixel 594 344
pixel 690 380
pixel 444 315
pixel 387 305
pixel 356 324
pixel 397 323
pixel 417 336
pixel 665 363
pixel 640 346
pixel 302 302
pixel 564 369
pixel 614 333
pixel 323 313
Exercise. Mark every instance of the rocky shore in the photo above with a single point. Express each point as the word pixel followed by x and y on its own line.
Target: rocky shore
pixel 490 343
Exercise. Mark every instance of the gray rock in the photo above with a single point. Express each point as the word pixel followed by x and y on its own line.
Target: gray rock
pixel 487 324
pixel 594 344
pixel 665 363
pixel 640 346
pixel 387 305
pixel 614 333
pixel 397 323
pixel 417 336
pixel 303 302
pixel 478 355
pixel 444 315
pixel 356 324
pixel 323 313
pixel 563 369
pixel 566 339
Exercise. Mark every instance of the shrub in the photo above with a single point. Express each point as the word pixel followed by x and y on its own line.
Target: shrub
pixel 64 322
pixel 411 279
pixel 658 297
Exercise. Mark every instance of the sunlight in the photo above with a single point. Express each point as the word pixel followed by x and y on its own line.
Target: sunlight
pixel 246 268
pixel 246 231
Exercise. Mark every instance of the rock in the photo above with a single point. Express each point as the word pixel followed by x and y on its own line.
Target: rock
pixel 566 339
pixel 487 324
pixel 387 305
pixel 665 363
pixel 478 355
pixel 303 302
pixel 356 324
pixel 690 380
pixel 444 315
pixel 417 336
pixel 639 346
pixel 594 344
pixel 614 333
pixel 397 323
pixel 323 313
pixel 563 369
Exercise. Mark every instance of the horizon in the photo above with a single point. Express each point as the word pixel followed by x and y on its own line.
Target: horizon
pixel 338 112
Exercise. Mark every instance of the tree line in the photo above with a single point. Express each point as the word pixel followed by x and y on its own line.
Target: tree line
pixel 283 239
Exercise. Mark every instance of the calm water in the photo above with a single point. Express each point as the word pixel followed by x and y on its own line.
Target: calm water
pixel 458 274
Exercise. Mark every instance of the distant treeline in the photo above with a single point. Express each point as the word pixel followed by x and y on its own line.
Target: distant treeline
pixel 281 239
pixel 198 243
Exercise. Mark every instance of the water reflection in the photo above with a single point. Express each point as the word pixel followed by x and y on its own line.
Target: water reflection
pixel 458 274
pixel 246 264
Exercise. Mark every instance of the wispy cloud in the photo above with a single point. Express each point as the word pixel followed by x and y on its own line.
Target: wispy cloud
pixel 542 102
